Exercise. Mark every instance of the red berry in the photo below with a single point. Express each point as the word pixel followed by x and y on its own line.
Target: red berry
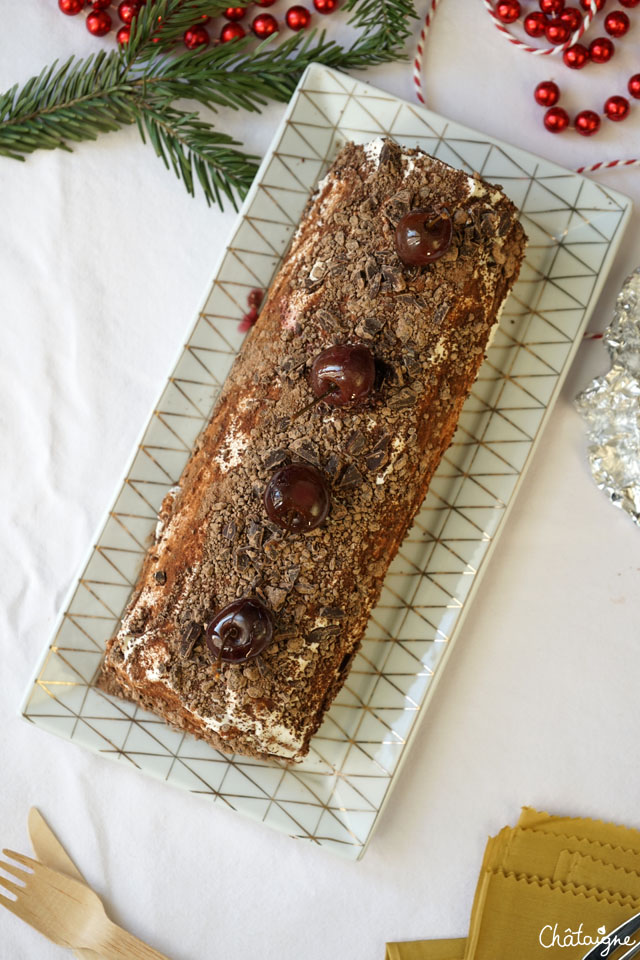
pixel 255 298
pixel 572 17
pixel 552 8
pixel 586 4
pixel 557 31
pixel 508 11
pixel 232 31
pixel 616 108
pixel 264 25
pixel 601 50
pixel 534 24
pixel 556 120
pixel 547 93
pixel 576 56
pixel 634 86
pixel 71 7
pixel 422 236
pixel 298 18
pixel 123 35
pixel 98 23
pixel 297 498
pixel 240 631
pixel 617 23
pixel 196 36
pixel 235 13
pixel 343 374
pixel 128 9
pixel 587 122
pixel 628 3
pixel 325 6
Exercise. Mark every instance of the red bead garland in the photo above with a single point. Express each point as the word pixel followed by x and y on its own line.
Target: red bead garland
pixel 557 31
pixel 128 9
pixel 100 4
pixel 508 11
pixel 634 86
pixel 264 25
pixel 617 23
pixel 71 7
pixel 547 93
pixel 628 3
pixel 234 13
pixel 98 23
pixel 576 56
pixel 601 50
pixel 325 6
pixel 298 18
pixel 552 8
pixel 123 35
pixel 586 4
pixel 232 31
pixel 534 24
pixel 196 36
pixel 572 17
pixel 616 108
pixel 556 119
pixel 587 122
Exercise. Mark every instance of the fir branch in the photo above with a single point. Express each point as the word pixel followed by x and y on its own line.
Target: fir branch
pixel 140 82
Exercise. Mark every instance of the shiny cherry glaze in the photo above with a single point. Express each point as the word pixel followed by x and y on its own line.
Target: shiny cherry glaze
pixel 297 498
pixel 423 236
pixel 240 631
pixel 343 374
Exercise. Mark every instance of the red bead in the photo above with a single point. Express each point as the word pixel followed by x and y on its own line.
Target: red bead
pixel 634 86
pixel 576 56
pixel 572 17
pixel 586 4
pixel 557 31
pixel 128 9
pixel 534 24
pixel 325 6
pixel 196 36
pixel 587 122
pixel 98 23
pixel 264 25
pixel 547 93
pixel 123 35
pixel 265 3
pixel 617 23
pixel 235 13
pixel 628 3
pixel 616 108
pixel 556 120
pixel 100 4
pixel 298 18
pixel 601 50
pixel 508 11
pixel 232 31
pixel 552 8
pixel 71 7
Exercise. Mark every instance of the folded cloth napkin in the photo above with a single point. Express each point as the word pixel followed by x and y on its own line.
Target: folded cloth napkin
pixel 549 889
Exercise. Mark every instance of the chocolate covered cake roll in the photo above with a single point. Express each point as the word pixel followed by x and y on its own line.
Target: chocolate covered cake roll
pixel 271 551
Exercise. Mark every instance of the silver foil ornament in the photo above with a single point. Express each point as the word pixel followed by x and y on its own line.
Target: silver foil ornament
pixel 610 406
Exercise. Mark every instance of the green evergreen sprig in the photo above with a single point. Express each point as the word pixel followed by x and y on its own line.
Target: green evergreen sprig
pixel 141 82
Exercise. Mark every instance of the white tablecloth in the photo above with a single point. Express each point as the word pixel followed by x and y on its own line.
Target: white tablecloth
pixel 103 259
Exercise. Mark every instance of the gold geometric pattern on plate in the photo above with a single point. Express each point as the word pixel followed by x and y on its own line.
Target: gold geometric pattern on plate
pixel 333 798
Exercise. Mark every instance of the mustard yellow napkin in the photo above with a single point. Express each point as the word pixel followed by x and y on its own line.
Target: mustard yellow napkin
pixel 549 889
pixel 426 950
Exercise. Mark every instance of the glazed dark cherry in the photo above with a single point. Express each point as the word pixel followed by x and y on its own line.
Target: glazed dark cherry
pixel 297 498
pixel 423 236
pixel 240 631
pixel 343 374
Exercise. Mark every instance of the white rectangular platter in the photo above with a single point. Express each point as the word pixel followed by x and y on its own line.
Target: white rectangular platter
pixel 335 796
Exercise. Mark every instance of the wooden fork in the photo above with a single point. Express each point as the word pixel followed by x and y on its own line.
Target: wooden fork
pixel 68 912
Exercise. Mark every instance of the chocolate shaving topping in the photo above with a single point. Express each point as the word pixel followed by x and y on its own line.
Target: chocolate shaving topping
pixel 356 442
pixel 190 637
pixel 333 466
pixel 229 530
pixel 323 633
pixel 276 597
pixel 160 577
pixel 402 400
pixel 332 613
pixel 350 477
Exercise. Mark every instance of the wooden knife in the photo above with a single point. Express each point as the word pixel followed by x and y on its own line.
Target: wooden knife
pixel 49 850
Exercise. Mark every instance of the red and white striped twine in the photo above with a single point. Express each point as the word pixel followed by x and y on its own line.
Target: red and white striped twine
pixel 536 51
